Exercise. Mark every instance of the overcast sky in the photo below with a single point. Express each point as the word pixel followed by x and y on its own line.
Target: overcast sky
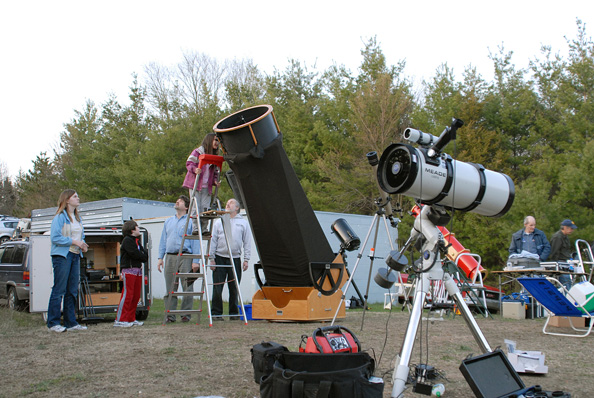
pixel 56 55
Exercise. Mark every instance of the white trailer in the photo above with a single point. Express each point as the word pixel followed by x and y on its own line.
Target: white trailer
pixel 100 269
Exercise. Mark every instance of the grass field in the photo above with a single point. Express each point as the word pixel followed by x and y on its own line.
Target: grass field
pixel 189 360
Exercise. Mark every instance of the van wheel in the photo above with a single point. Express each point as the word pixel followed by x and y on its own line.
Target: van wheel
pixel 13 301
pixel 4 239
pixel 141 315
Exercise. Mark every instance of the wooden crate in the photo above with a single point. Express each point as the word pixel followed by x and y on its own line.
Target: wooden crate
pixel 296 304
pixel 103 299
pixel 302 303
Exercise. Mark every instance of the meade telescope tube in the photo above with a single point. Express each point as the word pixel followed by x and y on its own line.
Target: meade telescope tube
pixel 435 178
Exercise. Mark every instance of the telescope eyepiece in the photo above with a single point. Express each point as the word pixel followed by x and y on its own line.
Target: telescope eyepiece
pixel 372 158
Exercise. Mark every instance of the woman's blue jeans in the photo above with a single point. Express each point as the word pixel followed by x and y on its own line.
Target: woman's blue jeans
pixel 66 280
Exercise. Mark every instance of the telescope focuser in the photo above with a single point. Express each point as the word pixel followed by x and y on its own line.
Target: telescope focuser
pixel 446 136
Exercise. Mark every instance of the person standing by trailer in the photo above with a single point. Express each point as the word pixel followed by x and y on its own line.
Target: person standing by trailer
pixel 132 257
pixel 209 176
pixel 241 239
pixel 67 245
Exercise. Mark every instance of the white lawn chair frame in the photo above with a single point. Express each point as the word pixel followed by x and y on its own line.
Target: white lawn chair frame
pixel 551 294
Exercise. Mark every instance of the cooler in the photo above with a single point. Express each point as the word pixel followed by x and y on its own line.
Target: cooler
pixel 581 292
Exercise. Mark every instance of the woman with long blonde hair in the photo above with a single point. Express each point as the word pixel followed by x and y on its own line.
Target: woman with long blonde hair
pixel 68 244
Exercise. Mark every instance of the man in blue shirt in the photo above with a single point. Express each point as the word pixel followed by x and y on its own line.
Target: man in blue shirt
pixel 531 240
pixel 171 238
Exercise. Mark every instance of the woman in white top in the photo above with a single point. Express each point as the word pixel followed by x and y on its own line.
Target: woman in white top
pixel 68 243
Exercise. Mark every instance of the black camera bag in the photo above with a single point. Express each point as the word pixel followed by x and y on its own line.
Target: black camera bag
pixel 263 357
pixel 342 375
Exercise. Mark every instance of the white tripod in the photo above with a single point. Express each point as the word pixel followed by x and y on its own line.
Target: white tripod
pixel 432 270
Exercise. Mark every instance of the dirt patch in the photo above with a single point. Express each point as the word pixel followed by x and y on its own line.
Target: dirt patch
pixel 188 360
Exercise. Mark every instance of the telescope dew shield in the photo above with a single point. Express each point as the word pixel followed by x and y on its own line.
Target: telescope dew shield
pixel 250 128
pixel 453 184
pixel 286 231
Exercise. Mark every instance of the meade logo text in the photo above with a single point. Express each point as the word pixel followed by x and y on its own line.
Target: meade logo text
pixel 435 172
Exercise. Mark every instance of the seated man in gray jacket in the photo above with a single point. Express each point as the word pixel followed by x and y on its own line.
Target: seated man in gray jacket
pixel 531 240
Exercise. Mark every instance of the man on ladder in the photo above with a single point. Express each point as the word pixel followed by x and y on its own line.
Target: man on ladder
pixel 237 231
pixel 171 244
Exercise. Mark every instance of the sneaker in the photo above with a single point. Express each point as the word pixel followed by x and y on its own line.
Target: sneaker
pixel 118 324
pixel 234 318
pixel 170 320
pixel 57 329
pixel 137 323
pixel 77 327
pixel 185 319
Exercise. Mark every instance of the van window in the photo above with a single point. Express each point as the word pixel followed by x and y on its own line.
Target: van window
pixel 19 254
pixel 6 256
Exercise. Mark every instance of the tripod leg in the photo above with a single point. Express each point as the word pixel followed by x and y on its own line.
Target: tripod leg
pixel 372 258
pixel 348 284
pixel 371 264
pixel 400 375
pixel 454 292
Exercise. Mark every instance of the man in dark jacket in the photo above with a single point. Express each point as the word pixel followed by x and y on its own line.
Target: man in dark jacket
pixel 531 240
pixel 561 249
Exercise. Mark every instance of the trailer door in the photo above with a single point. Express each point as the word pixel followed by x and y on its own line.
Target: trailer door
pixel 41 272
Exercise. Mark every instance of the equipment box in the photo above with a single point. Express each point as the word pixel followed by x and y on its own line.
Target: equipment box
pixel 563 322
pixel 514 310
pixel 522 262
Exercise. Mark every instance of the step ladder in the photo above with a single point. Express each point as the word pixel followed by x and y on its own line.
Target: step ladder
pixel 200 276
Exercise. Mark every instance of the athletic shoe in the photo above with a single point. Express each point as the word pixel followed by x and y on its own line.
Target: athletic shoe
pixel 77 327
pixel 118 324
pixel 137 323
pixel 57 329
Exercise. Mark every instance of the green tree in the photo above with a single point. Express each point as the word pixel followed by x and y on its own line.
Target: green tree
pixel 78 145
pixel 369 119
pixel 510 109
pixel 566 93
pixel 40 187
pixel 8 195
pixel 244 86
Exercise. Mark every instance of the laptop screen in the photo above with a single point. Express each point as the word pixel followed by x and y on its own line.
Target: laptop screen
pixel 491 375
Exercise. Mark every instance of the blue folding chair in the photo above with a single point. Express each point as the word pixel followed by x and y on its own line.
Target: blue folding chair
pixel 556 303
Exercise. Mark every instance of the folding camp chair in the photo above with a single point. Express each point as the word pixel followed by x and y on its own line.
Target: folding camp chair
pixel 549 296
